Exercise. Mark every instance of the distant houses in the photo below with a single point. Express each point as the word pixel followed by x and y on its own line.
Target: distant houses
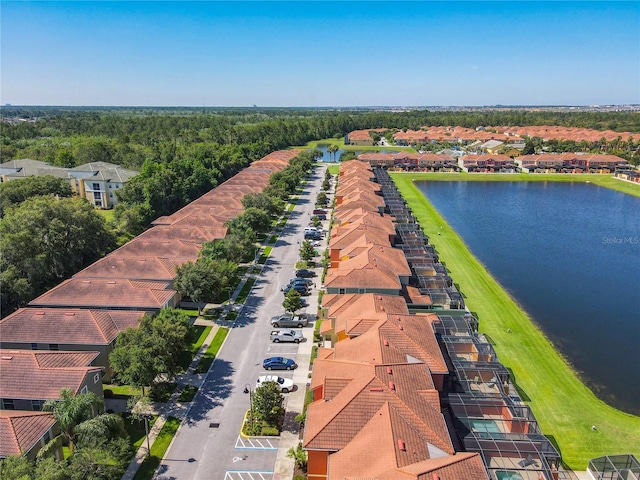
pixel 96 181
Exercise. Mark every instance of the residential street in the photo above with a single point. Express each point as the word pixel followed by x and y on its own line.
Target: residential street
pixel 208 444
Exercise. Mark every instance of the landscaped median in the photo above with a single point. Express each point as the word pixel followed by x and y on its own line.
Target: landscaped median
pixel 565 408
pixel 158 449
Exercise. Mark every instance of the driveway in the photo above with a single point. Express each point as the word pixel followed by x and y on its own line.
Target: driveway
pixel 208 444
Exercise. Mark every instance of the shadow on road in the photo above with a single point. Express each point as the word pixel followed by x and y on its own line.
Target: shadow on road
pixel 215 390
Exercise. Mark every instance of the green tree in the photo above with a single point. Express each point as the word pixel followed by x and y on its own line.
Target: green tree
pixel 529 147
pixel 16 468
pixel 322 199
pixel 268 403
pixel 50 469
pixel 142 354
pixel 205 279
pixel 299 455
pixel 272 205
pixel 44 241
pixel 17 191
pixel 307 252
pixel 292 301
pixel 332 150
pixel 79 418
pixel 252 218
pixel 104 460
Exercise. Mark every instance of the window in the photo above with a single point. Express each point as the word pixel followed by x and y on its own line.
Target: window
pixel 96 378
pixel 53 346
pixel 96 186
pixel 36 405
pixel 85 389
pixel 342 291
pixel 47 437
pixel 34 346
pixel 7 404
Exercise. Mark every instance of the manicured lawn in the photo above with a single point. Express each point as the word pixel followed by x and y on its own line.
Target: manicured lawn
pixel 212 351
pixel 158 449
pixel 122 390
pixel 565 408
pixel 136 431
pixel 187 356
pixel 334 169
pixel 106 214
pixel 244 293
pixel 264 255
pixel 190 312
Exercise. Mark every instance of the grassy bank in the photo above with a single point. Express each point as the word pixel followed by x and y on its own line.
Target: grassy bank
pixel 565 408
pixel 603 180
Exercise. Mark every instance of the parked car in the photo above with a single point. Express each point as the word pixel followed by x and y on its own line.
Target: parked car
pixel 300 288
pixel 289 321
pixel 314 235
pixel 278 363
pixel 319 211
pixel 304 281
pixel 285 384
pixel 304 273
pixel 286 336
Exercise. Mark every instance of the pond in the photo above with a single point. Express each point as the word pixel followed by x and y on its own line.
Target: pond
pixel 569 253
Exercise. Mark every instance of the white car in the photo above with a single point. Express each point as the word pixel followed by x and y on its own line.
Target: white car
pixel 285 384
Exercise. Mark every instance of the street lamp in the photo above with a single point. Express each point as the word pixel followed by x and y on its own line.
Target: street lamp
pixel 247 389
pixel 147 417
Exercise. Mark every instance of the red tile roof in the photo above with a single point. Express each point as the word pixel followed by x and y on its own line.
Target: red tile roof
pixel 109 294
pixel 40 375
pixel 133 268
pixel 20 431
pixel 333 421
pixel 66 326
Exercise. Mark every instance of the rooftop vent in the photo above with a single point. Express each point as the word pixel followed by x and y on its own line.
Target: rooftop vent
pixel 7 357
pixel 376 389
pixel 111 283
pixel 39 313
pixel 386 342
pixel 401 445
pixel 69 314
pixel 392 386
pixel 389 371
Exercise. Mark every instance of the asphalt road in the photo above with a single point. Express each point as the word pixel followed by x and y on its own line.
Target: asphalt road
pixel 208 445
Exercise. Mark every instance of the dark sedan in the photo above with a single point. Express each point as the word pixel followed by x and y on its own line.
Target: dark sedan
pixel 278 363
pixel 304 273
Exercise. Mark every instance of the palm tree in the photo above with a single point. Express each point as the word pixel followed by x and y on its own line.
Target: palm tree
pixel 332 149
pixel 78 419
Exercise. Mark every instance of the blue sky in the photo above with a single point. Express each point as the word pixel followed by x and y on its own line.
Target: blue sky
pixel 319 54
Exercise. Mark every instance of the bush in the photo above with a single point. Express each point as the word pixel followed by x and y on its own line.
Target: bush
pixel 269 431
pixel 160 392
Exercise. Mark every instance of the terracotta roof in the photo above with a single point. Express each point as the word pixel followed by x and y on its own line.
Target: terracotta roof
pixel 195 234
pixel 395 339
pixel 371 266
pixel 394 449
pixel 40 375
pixel 146 247
pixel 364 134
pixel 365 304
pixel 331 425
pixel 343 237
pixel 66 326
pixel 21 430
pixel 133 268
pixel 103 293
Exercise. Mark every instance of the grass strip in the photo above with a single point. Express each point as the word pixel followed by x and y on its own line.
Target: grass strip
pixel 265 254
pixel 339 142
pixel 210 355
pixel 186 357
pixel 564 407
pixel 158 449
pixel 121 390
pixel 136 431
pixel 244 293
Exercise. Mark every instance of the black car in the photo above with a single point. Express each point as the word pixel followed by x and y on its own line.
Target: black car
pixel 304 273
pixel 300 288
pixel 312 236
pixel 304 281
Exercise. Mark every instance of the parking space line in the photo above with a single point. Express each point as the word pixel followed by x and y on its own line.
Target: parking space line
pixel 248 474
pixel 255 444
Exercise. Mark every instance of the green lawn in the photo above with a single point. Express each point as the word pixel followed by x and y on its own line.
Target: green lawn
pixel 106 214
pixel 158 449
pixel 334 169
pixel 265 254
pixel 136 431
pixel 187 393
pixel 246 288
pixel 212 351
pixel 122 390
pixel 565 408
pixel 187 356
